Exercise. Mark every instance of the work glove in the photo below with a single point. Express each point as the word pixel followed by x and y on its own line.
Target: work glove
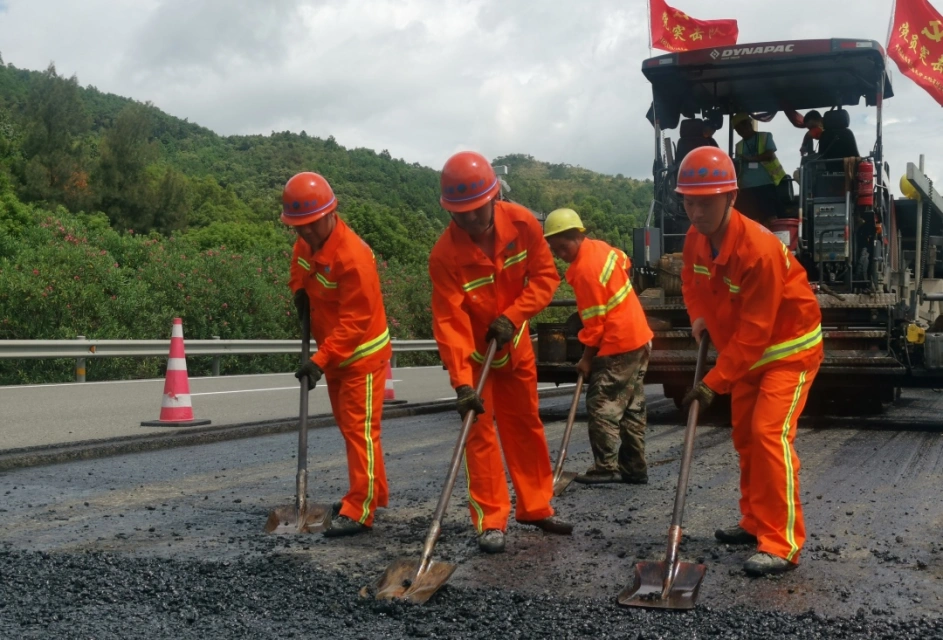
pixel 301 303
pixel 702 393
pixel 312 371
pixel 468 400
pixel 501 331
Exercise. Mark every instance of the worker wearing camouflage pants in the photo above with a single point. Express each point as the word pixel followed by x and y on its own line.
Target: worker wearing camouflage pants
pixel 615 402
pixel 616 342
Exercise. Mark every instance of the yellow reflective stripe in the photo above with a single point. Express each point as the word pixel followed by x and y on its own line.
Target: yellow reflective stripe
pixel 790 471
pixel 786 255
pixel 701 269
pixel 517 338
pixel 791 347
pixel 734 288
pixel 368 348
pixel 327 283
pixel 495 364
pixel 480 282
pixel 608 268
pixel 303 264
pixel 368 440
pixel 517 257
pixel 617 299
pixel 480 523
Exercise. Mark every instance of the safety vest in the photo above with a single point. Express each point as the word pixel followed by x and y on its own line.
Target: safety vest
pixel 773 168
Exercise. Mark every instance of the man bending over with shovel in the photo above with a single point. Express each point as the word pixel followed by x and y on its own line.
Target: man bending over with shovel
pixel 492 272
pixel 616 345
pixel 741 283
pixel 333 272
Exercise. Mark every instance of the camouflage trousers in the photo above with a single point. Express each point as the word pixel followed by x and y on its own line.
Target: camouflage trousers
pixel 615 402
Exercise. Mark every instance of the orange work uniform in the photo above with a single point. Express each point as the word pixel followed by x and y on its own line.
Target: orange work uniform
pixel 765 321
pixel 348 322
pixel 613 319
pixel 469 291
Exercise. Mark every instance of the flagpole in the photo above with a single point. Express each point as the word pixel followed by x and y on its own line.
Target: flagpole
pixel 650 51
pixel 890 29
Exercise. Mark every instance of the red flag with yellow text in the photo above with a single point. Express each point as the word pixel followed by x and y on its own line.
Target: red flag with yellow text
pixel 916 45
pixel 674 30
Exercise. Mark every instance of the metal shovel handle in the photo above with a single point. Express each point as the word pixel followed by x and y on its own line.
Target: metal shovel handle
pixel 436 528
pixel 674 533
pixel 301 490
pixel 571 418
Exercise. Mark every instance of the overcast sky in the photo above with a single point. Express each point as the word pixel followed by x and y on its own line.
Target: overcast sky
pixel 559 80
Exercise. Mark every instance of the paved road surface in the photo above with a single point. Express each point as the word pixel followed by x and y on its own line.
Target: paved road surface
pixel 871 498
pixel 78 412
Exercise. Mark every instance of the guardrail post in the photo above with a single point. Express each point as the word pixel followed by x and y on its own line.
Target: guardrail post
pixel 393 360
pixel 80 365
pixel 216 360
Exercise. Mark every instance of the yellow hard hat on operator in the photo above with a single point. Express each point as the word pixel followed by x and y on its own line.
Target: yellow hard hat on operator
pixel 740 117
pixel 561 220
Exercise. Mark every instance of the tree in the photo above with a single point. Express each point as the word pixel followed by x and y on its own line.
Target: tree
pixel 123 185
pixel 56 117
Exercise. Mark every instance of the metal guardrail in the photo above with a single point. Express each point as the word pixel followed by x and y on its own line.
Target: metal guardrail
pixel 81 349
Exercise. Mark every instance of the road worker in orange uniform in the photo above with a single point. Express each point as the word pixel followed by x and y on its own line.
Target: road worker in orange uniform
pixel 333 273
pixel 744 287
pixel 491 273
pixel 616 342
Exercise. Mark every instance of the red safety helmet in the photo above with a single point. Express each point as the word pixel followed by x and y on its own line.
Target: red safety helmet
pixel 706 171
pixel 307 197
pixel 467 182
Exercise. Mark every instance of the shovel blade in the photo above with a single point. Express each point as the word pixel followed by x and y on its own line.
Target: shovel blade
pixel 563 482
pixel 646 589
pixel 402 580
pixel 314 519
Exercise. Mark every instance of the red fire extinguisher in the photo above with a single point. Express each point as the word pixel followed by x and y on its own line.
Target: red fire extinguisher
pixel 865 184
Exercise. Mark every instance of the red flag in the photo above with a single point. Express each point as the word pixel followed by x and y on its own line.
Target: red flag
pixel 916 45
pixel 674 30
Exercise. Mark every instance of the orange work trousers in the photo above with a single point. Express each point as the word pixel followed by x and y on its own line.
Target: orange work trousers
pixel 357 403
pixel 510 398
pixel 765 408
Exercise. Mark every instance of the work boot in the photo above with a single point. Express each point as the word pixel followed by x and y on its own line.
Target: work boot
pixel 491 541
pixel 343 526
pixel 553 524
pixel 735 535
pixel 593 475
pixel 635 478
pixel 766 564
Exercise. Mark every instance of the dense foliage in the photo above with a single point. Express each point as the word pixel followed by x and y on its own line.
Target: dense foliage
pixel 116 217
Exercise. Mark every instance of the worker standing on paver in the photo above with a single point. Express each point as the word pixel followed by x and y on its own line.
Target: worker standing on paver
pixel 616 342
pixel 334 275
pixel 491 273
pixel 741 283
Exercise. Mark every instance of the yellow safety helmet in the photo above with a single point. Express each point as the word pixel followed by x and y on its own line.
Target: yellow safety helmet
pixel 907 189
pixel 739 117
pixel 561 220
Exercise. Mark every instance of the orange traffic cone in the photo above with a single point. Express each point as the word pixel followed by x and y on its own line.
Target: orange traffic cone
pixel 389 393
pixel 175 407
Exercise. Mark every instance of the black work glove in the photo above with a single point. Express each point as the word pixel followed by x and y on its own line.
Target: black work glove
pixel 301 303
pixel 468 400
pixel 702 393
pixel 312 371
pixel 501 331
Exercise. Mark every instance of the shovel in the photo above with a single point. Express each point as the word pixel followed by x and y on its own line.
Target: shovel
pixel 416 582
pixel 672 584
pixel 301 517
pixel 561 478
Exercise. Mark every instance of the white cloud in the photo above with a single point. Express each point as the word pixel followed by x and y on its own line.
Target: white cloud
pixel 558 80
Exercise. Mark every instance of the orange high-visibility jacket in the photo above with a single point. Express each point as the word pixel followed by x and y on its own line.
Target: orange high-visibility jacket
pixel 612 315
pixel 348 320
pixel 755 299
pixel 469 291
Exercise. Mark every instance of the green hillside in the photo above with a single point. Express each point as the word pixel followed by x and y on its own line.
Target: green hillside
pixel 116 217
